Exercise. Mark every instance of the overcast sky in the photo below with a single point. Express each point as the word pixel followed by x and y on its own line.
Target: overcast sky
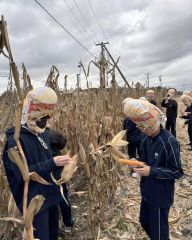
pixel 151 36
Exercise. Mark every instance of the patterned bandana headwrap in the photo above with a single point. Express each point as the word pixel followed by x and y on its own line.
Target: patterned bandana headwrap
pixel 188 93
pixel 144 114
pixel 39 103
pixel 144 99
pixel 186 99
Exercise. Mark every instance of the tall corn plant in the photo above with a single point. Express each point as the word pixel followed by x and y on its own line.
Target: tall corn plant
pixel 16 154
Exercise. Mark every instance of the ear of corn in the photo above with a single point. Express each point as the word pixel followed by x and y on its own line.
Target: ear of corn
pixel 69 169
pixel 131 162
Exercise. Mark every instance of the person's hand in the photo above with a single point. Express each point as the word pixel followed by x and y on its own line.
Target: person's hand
pixel 62 160
pixel 143 171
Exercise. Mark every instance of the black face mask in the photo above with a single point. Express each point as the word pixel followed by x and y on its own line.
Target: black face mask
pixel 41 123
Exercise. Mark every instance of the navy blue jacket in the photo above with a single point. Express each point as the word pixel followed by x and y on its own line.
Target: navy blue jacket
pixel 39 160
pixel 188 117
pixel 153 101
pixel 171 108
pixel 133 134
pixel 162 154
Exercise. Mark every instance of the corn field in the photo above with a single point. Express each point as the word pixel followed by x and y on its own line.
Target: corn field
pixel 105 199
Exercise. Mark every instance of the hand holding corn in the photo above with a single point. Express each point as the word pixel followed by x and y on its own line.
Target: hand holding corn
pixel 143 171
pixel 61 160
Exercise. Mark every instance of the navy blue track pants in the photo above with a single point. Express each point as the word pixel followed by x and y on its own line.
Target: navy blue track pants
pixel 190 132
pixel 46 224
pixel 154 221
pixel 171 125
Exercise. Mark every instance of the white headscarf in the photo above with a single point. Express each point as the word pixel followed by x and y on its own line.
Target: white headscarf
pixel 186 99
pixel 144 113
pixel 39 102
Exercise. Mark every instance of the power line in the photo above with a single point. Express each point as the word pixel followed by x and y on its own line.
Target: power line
pixel 79 9
pixel 60 11
pixel 96 19
pixel 64 28
pixel 78 20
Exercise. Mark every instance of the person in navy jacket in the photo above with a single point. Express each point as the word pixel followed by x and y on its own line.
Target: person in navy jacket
pixel 39 104
pixel 134 137
pixel 171 111
pixel 57 142
pixel 187 100
pixel 160 151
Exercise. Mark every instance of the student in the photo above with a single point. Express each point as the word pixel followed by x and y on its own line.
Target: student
pixel 150 95
pixel 160 152
pixel 187 100
pixel 134 138
pixel 39 106
pixel 57 142
pixel 171 111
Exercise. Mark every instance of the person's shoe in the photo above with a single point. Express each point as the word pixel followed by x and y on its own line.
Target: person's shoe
pixel 135 175
pixel 67 229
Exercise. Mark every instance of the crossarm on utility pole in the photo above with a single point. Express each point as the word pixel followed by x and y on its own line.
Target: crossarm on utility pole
pixel 119 70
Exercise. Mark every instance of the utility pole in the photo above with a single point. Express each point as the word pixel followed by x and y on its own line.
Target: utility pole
pixel 103 47
pixel 79 76
pixel 119 70
pixel 147 80
pixel 160 81
pixel 78 81
pixel 102 64
pixel 65 82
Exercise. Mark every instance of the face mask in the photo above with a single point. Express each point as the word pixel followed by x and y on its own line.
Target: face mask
pixel 41 123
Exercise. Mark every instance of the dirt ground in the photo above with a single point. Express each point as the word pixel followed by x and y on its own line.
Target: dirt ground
pixel 121 217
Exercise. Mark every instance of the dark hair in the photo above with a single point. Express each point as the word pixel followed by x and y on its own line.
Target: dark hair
pixel 57 140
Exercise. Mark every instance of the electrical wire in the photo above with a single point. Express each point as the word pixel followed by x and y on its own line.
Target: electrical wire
pixel 81 13
pixel 93 12
pixel 64 28
pixel 78 20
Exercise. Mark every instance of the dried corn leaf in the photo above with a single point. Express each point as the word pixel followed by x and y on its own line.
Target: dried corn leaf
pixel 82 153
pixel 119 136
pixel 118 143
pixel 16 158
pixel 33 208
pixel 35 177
pixel 13 211
pixel 12 219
